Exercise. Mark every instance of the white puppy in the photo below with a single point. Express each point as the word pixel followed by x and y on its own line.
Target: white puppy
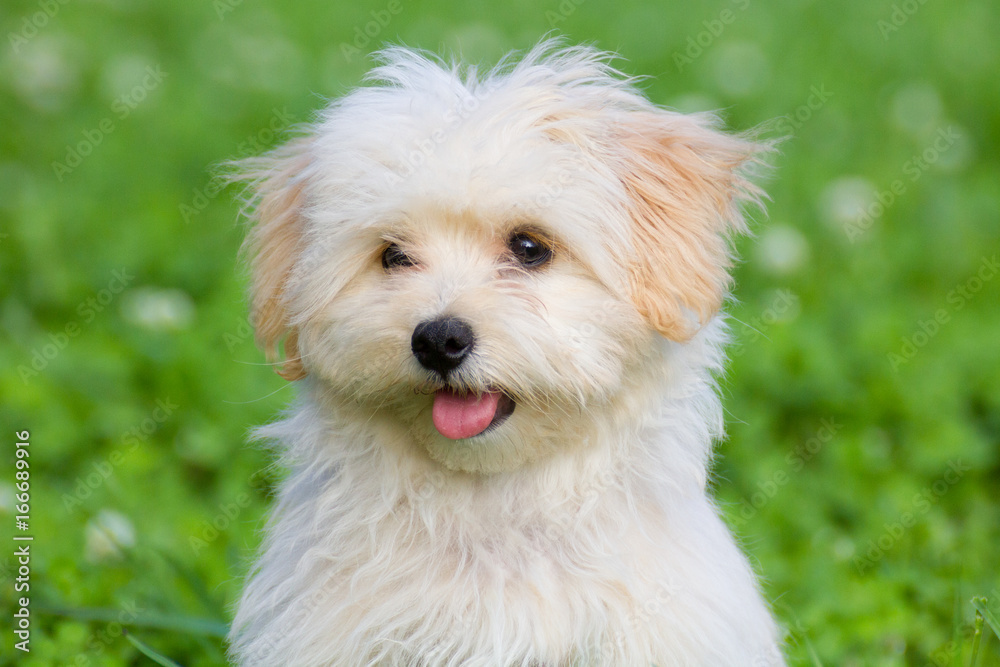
pixel 499 297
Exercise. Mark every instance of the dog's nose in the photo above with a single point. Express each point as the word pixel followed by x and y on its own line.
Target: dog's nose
pixel 441 345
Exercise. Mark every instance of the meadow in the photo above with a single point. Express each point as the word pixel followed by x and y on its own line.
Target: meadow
pixel 861 470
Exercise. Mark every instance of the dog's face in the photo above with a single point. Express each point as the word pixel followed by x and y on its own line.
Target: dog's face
pixel 479 271
pixel 477 326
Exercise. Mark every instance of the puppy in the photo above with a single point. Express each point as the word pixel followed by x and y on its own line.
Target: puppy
pixel 498 295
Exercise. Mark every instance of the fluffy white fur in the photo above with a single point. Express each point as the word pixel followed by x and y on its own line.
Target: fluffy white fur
pixel 578 532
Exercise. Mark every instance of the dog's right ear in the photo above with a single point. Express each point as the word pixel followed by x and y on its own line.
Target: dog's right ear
pixel 687 184
pixel 275 205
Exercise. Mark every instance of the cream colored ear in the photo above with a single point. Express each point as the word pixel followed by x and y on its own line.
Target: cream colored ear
pixel 277 201
pixel 686 184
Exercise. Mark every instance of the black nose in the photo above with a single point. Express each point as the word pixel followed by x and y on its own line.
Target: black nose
pixel 441 345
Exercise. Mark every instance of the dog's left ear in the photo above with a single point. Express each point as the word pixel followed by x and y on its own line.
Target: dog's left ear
pixel 276 202
pixel 687 183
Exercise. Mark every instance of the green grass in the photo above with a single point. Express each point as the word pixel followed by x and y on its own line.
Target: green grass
pixel 862 469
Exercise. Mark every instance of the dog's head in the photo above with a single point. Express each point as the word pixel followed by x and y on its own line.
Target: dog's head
pixel 481 266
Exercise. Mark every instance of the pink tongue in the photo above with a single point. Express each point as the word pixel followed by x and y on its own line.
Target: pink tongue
pixel 456 416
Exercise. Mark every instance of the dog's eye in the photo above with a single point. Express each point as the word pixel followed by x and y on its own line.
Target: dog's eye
pixel 393 257
pixel 528 250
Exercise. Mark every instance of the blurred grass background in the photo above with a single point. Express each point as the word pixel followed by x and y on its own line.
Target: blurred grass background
pixel 862 471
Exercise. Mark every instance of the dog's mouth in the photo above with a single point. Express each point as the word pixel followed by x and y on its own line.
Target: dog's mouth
pixel 459 415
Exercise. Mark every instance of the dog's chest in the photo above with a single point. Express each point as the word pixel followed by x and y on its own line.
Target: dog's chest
pixel 562 589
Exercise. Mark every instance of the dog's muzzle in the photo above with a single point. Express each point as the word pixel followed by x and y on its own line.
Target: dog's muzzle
pixel 441 346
